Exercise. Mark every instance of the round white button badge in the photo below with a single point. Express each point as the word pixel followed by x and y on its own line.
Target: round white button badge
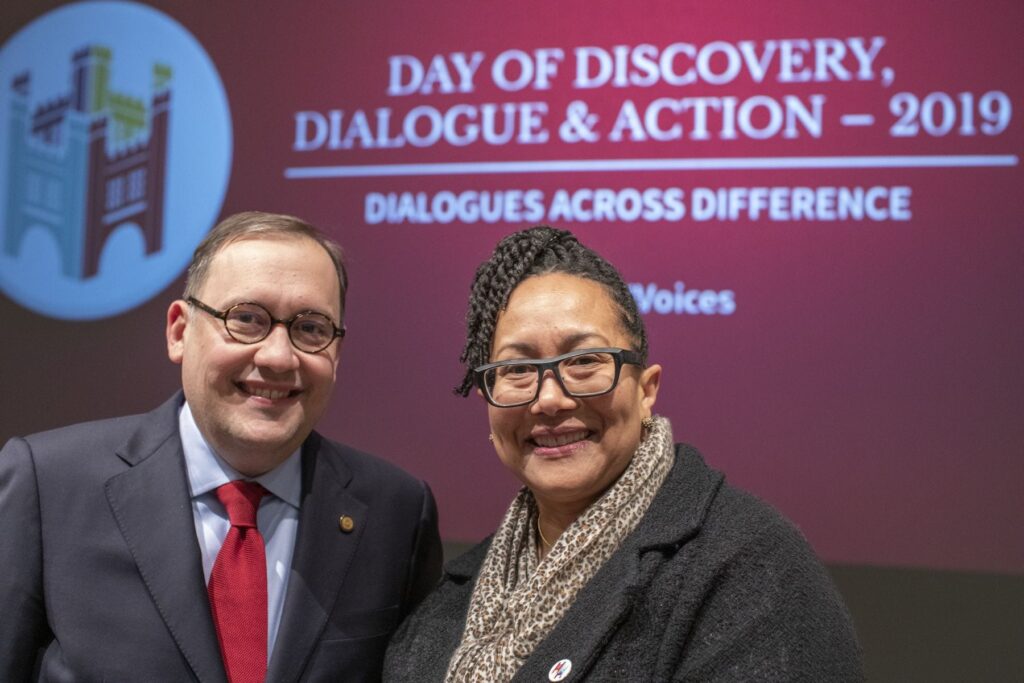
pixel 560 670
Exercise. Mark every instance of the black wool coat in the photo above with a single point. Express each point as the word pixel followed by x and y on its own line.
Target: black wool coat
pixel 712 585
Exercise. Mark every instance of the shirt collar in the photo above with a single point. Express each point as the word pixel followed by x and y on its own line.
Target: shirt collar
pixel 207 470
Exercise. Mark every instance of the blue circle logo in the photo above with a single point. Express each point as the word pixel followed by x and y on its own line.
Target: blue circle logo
pixel 115 154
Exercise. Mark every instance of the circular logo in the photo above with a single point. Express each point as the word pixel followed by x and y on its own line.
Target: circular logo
pixel 115 154
pixel 560 670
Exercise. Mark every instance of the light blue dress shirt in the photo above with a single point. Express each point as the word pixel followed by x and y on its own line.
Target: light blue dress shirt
pixel 277 518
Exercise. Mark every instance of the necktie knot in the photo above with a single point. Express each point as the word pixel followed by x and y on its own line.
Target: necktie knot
pixel 241 499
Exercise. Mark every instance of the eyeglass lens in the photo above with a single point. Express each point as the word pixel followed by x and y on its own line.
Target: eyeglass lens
pixel 592 373
pixel 249 323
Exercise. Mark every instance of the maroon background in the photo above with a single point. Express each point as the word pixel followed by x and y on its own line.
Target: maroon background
pixel 870 383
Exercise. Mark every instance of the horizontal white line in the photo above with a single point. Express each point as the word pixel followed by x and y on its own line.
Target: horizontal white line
pixel 43 214
pixel 124 212
pixel 595 165
pixel 856 119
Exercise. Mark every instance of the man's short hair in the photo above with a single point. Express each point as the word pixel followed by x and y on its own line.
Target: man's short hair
pixel 253 224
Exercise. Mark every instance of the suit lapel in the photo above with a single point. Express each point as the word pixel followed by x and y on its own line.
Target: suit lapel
pixel 321 560
pixel 151 503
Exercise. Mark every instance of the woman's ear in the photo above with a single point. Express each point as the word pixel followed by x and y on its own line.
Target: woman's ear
pixel 650 380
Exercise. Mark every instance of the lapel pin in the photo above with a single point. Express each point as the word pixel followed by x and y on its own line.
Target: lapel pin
pixel 560 670
pixel 346 524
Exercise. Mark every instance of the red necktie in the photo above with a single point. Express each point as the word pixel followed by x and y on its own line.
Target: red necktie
pixel 238 586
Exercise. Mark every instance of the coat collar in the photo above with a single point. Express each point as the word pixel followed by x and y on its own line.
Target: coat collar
pixel 676 515
pixel 151 505
pixel 682 504
pixel 323 555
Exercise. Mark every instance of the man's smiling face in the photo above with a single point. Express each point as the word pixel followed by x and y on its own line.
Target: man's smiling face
pixel 256 403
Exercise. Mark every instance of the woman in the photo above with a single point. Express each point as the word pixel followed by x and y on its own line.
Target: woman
pixel 624 557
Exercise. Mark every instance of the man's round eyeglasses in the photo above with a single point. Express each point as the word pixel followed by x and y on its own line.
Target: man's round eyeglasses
pixel 582 373
pixel 250 323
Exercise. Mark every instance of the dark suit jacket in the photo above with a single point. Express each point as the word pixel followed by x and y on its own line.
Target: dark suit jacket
pixel 102 577
pixel 712 585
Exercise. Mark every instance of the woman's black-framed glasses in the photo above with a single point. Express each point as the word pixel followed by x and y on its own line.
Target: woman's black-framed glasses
pixel 250 323
pixel 582 373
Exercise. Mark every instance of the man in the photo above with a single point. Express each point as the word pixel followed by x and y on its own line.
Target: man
pixel 217 538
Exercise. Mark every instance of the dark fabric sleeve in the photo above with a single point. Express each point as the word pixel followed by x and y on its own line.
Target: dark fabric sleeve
pixel 771 613
pixel 425 569
pixel 23 626
pixel 421 647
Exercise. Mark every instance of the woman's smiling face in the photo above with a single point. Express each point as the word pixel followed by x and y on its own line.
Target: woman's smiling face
pixel 567 450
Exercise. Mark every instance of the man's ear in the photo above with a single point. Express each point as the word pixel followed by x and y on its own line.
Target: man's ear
pixel 177 322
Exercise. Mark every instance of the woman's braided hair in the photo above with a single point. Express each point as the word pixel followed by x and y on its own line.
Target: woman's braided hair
pixel 536 251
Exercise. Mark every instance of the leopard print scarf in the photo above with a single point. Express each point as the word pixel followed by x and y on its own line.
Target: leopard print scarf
pixel 519 599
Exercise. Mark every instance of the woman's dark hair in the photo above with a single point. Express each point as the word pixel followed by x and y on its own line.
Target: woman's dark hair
pixel 537 251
